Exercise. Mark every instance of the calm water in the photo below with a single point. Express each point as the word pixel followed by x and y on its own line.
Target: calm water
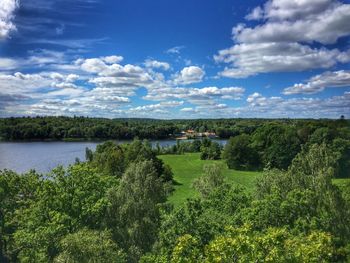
pixel 43 156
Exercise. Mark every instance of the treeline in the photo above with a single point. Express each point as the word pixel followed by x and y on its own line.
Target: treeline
pixel 59 128
pixel 112 208
pixel 275 146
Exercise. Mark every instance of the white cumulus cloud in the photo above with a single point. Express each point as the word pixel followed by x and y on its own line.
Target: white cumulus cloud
pixel 286 36
pixel 150 63
pixel 188 75
pixel 7 9
pixel 320 82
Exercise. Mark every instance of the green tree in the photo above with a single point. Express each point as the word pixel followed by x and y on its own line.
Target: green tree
pixel 196 146
pixel 88 246
pixel 273 245
pixel 211 178
pixel 134 211
pixel 341 149
pixel 109 158
pixel 210 150
pixel 277 144
pixel 304 197
pixel 65 202
pixel 186 250
pixel 16 193
pixel 239 154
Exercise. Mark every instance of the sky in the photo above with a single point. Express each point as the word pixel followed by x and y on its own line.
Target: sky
pixel 175 59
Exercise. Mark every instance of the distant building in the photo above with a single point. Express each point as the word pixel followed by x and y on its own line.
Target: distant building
pixel 192 134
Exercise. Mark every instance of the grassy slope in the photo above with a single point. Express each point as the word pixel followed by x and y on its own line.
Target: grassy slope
pixel 187 167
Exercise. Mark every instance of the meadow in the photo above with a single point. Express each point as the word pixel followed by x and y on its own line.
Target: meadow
pixel 189 166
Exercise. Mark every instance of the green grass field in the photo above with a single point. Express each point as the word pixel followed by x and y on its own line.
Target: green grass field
pixel 187 167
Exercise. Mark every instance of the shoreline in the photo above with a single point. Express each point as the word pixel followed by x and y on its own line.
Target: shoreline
pixel 111 139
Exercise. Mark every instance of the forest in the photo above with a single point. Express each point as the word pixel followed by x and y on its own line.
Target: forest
pixel 118 205
pixel 84 128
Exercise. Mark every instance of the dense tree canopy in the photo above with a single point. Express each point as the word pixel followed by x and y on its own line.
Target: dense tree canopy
pixel 240 154
pixel 58 128
pixel 134 213
pixel 297 215
pixel 113 206
pixel 89 212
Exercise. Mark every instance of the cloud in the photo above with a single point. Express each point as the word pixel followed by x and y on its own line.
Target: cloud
pixel 7 10
pixel 323 21
pixel 175 50
pixel 64 85
pixel 8 64
pixel 295 9
pixel 112 59
pixel 68 43
pixel 188 110
pixel 70 101
pixel 251 59
pixel 198 96
pixel 188 75
pixel 67 78
pixel 211 110
pixel 277 107
pixel 60 29
pixel 39 58
pixel 108 74
pixel 102 86
pixel 320 82
pixel 257 100
pixel 256 14
pixel 66 90
pixel 9 100
pixel 287 37
pixel 92 65
pixel 161 107
pixel 39 85
pixel 19 83
pixel 149 63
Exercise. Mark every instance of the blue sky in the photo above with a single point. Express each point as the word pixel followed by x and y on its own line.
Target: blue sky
pixel 175 59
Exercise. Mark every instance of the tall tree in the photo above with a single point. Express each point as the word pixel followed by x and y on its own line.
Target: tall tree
pixel 239 154
pixel 134 211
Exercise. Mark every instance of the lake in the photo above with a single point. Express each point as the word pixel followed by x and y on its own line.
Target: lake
pixel 43 156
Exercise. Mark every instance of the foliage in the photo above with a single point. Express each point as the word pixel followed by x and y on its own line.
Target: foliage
pixel 304 197
pixel 134 211
pixel 277 144
pixel 273 245
pixel 59 128
pixel 186 250
pixel 239 154
pixel 210 150
pixel 16 194
pixel 342 148
pixel 297 215
pixel 108 158
pixel 87 246
pixel 112 208
pixel 212 178
pixel 71 200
